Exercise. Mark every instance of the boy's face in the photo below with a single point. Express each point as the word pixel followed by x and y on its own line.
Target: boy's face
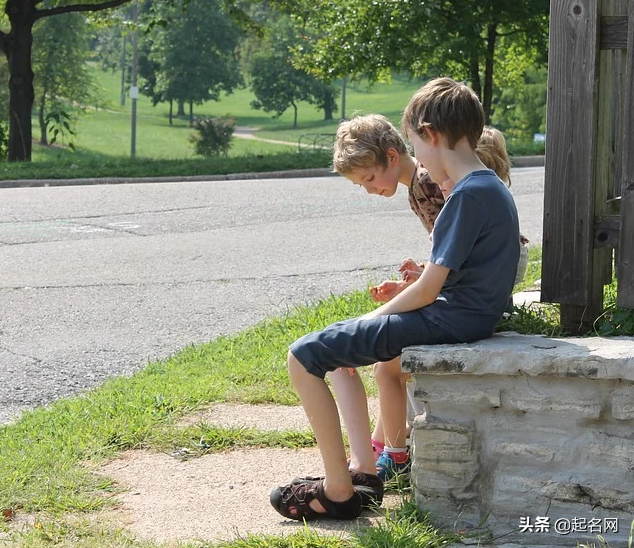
pixel 428 155
pixel 377 180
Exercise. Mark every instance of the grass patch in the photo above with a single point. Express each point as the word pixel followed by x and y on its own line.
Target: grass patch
pixel 614 321
pixel 41 454
pixel 67 165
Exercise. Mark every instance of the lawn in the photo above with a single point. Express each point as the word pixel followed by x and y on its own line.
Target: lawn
pixel 105 128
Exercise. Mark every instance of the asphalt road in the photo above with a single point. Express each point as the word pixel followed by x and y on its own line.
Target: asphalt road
pixel 98 280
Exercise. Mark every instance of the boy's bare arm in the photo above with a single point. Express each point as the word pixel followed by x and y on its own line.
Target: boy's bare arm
pixel 422 292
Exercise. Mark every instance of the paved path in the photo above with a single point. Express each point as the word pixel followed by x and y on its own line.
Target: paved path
pixel 97 280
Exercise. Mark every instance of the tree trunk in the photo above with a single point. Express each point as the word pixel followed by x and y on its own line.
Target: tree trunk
pixel 171 110
pixel 487 97
pixel 21 93
pixel 181 108
pixel 329 105
pixel 295 116
pixel 43 130
pixel 191 114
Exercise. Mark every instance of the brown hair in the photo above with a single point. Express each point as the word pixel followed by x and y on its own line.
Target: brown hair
pixel 363 142
pixel 491 150
pixel 448 107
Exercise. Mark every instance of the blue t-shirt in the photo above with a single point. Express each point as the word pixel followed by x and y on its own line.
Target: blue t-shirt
pixel 476 235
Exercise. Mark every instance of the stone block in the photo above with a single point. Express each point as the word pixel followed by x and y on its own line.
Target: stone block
pixel 436 441
pixel 623 402
pixel 457 389
pixel 539 453
pixel 510 354
pixel 560 396
pixel 610 451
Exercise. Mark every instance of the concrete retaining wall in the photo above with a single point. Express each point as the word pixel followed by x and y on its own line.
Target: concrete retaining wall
pixel 517 428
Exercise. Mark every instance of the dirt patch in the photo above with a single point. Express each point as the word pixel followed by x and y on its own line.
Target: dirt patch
pixel 225 495
pixel 216 497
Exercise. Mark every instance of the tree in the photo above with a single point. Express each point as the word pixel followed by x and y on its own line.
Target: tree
pixel 521 109
pixel 193 57
pixel 459 38
pixel 277 84
pixel 110 45
pixel 62 81
pixel 16 44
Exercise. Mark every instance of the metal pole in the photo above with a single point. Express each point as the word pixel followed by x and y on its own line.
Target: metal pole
pixel 134 90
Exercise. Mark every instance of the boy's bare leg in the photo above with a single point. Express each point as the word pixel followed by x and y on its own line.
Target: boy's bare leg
pixel 392 402
pixel 353 405
pixel 377 433
pixel 322 414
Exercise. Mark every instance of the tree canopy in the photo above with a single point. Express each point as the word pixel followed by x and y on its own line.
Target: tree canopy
pixel 62 80
pixel 462 38
pixel 277 84
pixel 192 57
pixel 16 44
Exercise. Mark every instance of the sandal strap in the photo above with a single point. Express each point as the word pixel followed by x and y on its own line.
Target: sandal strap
pixel 293 502
pixel 348 509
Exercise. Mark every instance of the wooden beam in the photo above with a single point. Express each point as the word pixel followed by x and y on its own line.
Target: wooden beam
pixel 614 32
pixel 606 232
pixel 570 155
pixel 625 267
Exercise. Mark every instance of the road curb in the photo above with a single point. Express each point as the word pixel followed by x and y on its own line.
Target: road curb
pixel 26 183
pixel 520 161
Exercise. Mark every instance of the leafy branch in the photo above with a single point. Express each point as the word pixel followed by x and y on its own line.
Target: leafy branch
pixel 79 7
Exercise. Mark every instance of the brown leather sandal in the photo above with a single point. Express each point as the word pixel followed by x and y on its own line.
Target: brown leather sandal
pixel 369 486
pixel 293 502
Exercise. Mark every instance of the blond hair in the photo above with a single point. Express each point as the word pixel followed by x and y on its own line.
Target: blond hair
pixel 491 149
pixel 363 142
pixel 446 106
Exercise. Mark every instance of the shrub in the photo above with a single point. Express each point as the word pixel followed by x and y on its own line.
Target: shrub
pixel 213 135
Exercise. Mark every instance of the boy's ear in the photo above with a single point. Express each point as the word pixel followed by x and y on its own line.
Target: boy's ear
pixel 433 135
pixel 392 154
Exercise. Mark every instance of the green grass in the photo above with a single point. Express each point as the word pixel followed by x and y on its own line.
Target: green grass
pixel 64 164
pixel 103 135
pixel 41 454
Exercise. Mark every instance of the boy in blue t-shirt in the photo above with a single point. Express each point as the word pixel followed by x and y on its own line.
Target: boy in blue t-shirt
pixel 459 297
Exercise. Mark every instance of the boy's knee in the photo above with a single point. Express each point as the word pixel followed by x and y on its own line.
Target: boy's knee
pixel 387 371
pixel 382 371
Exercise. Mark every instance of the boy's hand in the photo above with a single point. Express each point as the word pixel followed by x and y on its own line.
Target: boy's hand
pixel 387 290
pixel 410 276
pixel 410 265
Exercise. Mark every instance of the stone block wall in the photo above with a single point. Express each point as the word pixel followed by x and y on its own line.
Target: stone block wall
pixel 517 428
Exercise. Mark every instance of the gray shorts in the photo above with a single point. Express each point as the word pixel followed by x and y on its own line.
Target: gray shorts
pixel 357 342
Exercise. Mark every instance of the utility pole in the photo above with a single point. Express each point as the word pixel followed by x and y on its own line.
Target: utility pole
pixel 134 90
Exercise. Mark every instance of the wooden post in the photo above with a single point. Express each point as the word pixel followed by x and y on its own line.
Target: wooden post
pixel 570 162
pixel 625 267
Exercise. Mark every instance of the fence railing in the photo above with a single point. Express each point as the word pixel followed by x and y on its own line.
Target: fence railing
pixel 316 140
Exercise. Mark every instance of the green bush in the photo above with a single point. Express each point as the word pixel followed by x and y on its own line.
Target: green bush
pixel 525 148
pixel 214 135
